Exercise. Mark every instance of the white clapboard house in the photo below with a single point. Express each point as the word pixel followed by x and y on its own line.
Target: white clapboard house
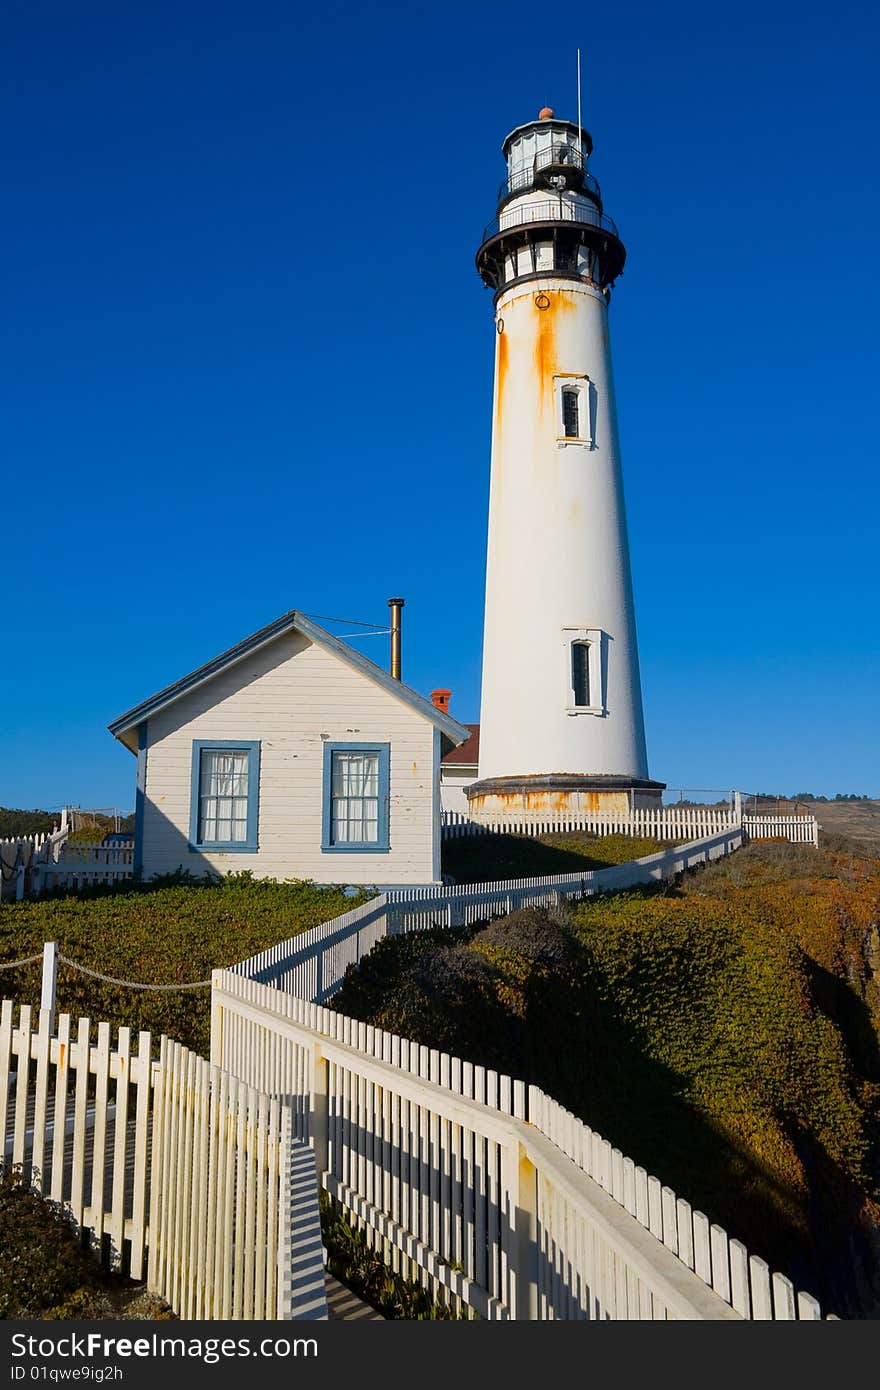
pixel 294 756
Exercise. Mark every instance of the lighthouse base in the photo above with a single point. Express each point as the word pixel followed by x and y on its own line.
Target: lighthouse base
pixel 562 796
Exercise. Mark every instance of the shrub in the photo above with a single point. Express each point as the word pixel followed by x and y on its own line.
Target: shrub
pixel 431 988
pixel 529 932
pixel 44 1272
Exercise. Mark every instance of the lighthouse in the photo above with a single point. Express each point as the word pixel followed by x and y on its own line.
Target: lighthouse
pixel 561 724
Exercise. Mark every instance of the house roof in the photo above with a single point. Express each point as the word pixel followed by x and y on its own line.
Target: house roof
pixel 293 621
pixel 467 753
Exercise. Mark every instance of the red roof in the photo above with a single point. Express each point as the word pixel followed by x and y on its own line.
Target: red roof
pixel 469 751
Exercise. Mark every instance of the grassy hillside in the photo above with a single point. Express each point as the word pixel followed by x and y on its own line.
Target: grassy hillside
pixel 723 1034
pixel 859 820
pixel 156 935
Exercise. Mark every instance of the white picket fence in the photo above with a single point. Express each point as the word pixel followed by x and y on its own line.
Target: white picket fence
pixel 20 856
pixel 679 824
pixel 46 863
pixel 480 1187
pixel 798 830
pixel 675 823
pixel 484 1189
pixel 192 1175
pixel 312 965
pixel 83 866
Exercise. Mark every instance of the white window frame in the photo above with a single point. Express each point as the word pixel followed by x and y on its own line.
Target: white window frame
pixel 593 638
pixel 580 384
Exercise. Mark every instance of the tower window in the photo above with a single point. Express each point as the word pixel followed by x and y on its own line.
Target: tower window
pixel 570 413
pixel 574 423
pixel 585 675
pixel 580 673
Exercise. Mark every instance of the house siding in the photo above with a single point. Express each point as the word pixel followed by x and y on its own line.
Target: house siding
pixel 454 779
pixel 293 696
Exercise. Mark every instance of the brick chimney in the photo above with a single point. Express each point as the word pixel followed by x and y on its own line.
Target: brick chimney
pixel 441 699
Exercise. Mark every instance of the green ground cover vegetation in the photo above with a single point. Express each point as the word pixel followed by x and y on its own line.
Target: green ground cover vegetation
pixel 723 1033
pixel 488 858
pixel 169 932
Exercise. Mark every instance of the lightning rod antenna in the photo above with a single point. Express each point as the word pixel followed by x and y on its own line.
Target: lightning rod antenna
pixel 580 131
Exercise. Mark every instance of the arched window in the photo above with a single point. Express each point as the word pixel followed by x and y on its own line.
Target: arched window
pixel 574 425
pixel 571 412
pixel 585 673
pixel 580 673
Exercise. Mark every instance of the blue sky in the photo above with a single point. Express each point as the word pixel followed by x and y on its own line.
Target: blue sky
pixel 246 360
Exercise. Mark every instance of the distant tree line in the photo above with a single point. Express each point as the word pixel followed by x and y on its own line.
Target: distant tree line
pixel 24 823
pixel 15 824
pixel 841 796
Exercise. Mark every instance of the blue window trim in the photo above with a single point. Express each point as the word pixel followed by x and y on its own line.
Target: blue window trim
pixel 223 745
pixel 139 799
pixel 380 846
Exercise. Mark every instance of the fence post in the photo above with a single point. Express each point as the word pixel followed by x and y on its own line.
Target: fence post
pixel 284 1272
pixel 320 1117
pixel 526 1189
pixel 216 1052
pixel 50 979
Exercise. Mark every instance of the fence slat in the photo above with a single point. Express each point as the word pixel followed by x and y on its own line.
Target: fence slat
pixel 121 1065
pixel 783 1299
pixel 5 1067
pixel 702 1248
pixel 739 1279
pixel 100 1062
pixel 59 1112
pixel 21 1046
pixel 720 1262
pixel 143 1080
pixel 762 1296
pixel 80 1120
pixel 40 1049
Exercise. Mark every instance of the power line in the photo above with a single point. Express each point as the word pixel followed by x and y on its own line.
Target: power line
pixel 352 622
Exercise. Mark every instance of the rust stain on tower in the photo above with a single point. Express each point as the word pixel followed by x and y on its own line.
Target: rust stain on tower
pixel 545 338
pixel 548 308
pixel 547 802
pixel 502 381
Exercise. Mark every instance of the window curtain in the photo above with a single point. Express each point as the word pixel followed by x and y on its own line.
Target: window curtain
pixel 355 792
pixel 223 796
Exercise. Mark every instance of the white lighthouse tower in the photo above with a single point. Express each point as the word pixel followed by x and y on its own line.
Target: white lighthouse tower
pixel 561 726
